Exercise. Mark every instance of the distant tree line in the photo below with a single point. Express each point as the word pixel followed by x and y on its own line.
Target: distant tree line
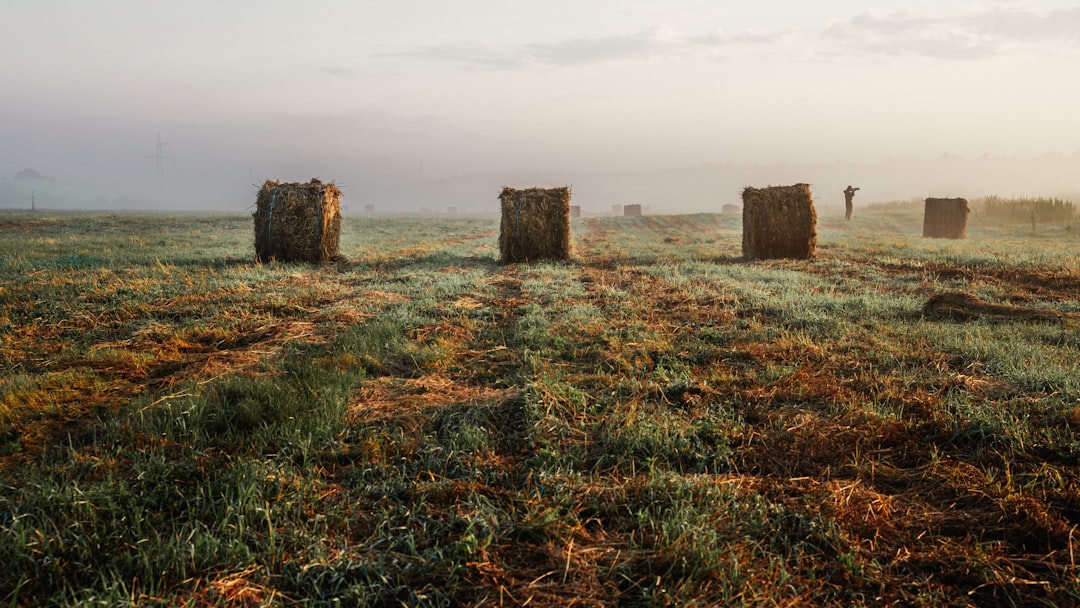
pixel 1034 210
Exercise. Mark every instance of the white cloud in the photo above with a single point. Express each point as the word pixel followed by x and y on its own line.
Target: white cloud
pixel 975 35
pixel 341 72
pixel 1024 26
pixel 659 42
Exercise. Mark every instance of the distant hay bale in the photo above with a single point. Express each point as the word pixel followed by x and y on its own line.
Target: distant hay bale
pixel 535 224
pixel 730 209
pixel 369 209
pixel 297 222
pixel 632 210
pixel 946 218
pixel 575 211
pixel 779 222
pixel 616 210
pixel 964 306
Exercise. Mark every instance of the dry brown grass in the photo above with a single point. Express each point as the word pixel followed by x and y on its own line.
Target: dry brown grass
pixel 645 427
pixel 962 306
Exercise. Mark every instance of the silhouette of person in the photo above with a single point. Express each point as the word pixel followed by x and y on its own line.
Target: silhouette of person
pixel 849 195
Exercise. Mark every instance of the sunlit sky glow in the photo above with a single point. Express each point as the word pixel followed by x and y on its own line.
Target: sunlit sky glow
pixel 394 92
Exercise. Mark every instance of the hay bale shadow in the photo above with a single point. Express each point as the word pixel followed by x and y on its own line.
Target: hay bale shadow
pixel 439 259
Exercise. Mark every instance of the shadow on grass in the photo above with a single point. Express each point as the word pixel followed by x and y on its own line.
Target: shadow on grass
pixel 612 263
pixel 224 263
pixel 430 261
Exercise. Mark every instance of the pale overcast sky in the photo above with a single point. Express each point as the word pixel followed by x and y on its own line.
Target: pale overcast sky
pixel 394 91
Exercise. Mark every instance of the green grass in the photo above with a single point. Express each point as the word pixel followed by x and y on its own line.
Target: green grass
pixel 654 423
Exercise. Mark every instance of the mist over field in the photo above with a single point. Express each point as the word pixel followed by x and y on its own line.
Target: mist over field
pixel 689 189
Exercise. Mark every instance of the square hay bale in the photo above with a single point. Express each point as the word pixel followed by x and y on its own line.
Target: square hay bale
pixel 779 222
pixel 616 210
pixel 946 218
pixel 535 224
pixel 297 222
pixel 632 210
pixel 731 209
pixel 575 211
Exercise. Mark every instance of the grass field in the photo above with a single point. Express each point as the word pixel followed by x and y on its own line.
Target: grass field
pixel 656 423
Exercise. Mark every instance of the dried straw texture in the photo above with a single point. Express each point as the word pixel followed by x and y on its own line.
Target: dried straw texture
pixel 946 218
pixel 297 222
pixel 964 306
pixel 730 209
pixel 535 224
pixel 632 210
pixel 575 211
pixel 779 222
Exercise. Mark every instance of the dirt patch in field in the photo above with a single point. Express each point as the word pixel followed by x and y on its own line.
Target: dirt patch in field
pixel 9 225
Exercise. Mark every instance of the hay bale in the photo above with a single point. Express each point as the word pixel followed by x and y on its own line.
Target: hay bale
pixel 535 224
pixel 616 210
pixel 779 222
pixel 369 209
pixel 632 210
pixel 946 218
pixel 964 306
pixel 575 211
pixel 730 209
pixel 297 222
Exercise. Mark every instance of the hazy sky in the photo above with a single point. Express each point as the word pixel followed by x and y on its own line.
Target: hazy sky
pixel 391 92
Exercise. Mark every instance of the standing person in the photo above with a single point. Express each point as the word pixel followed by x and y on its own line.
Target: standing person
pixel 849 195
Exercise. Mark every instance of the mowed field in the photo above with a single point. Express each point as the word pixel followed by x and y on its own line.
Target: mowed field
pixel 656 423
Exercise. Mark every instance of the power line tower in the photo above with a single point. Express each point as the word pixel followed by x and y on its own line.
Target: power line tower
pixel 159 160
